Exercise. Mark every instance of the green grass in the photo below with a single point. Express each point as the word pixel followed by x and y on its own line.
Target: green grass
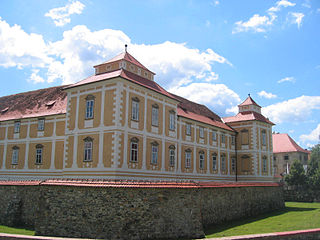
pixel 296 216
pixel 11 230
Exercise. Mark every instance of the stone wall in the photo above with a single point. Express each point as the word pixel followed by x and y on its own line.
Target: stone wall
pixel 132 211
pixel 301 195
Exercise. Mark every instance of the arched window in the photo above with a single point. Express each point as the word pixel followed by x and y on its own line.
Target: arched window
pixel 172 155
pixel 89 106
pixel 134 149
pixel 88 144
pixel 39 152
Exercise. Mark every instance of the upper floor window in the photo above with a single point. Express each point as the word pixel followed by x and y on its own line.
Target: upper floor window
pixel 89 106
pixel 264 137
pixel 41 124
pixel 39 152
pixel 154 152
pixel 172 155
pixel 15 155
pixel 223 162
pixel 155 115
pixel 172 120
pixel 233 140
pixel 244 137
pixel 233 164
pixel 214 162
pixel 223 138
pixel 188 158
pixel 201 159
pixel 17 125
pixel 88 144
pixel 201 132
pixel 135 109
pixel 134 149
pixel 286 157
pixel 214 136
pixel 188 129
pixel 264 164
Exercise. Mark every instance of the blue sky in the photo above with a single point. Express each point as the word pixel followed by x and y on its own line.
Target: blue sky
pixel 213 52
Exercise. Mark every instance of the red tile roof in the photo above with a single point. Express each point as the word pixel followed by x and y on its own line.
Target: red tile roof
pixel 282 143
pixel 126 75
pixel 248 101
pixel 135 184
pixel 126 56
pixel 43 102
pixel 247 116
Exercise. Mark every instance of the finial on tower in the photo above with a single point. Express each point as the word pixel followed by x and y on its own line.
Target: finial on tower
pixel 249 94
pixel 125 47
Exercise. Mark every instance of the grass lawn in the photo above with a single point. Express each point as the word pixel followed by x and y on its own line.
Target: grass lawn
pixel 296 216
pixel 11 230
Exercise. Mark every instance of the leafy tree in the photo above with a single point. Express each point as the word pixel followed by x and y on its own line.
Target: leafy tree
pixel 297 176
pixel 314 161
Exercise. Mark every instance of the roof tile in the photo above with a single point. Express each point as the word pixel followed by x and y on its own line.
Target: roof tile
pixel 282 143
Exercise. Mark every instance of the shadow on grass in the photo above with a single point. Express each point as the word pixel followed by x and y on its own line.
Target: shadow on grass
pixel 212 229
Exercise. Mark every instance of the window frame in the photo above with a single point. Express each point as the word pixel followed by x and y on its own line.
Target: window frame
pixel 243 132
pixel 39 154
pixel 41 124
pixel 233 140
pixel 214 162
pixel 214 136
pixel 264 164
pixel 223 138
pixel 172 120
pixel 134 151
pixel 187 160
pixel 135 109
pixel 223 163
pixel 172 155
pixel 155 115
pixel 89 111
pixel 264 138
pixel 188 129
pixel 88 149
pixel 233 164
pixel 201 160
pixel 15 155
pixel 17 127
pixel 154 153
pixel 201 132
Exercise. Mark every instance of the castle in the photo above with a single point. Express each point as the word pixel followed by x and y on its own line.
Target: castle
pixel 120 124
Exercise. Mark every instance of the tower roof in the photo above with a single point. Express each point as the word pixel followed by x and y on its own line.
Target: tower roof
pixel 249 101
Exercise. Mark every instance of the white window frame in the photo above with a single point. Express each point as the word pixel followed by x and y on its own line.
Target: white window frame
pixel 214 162
pixel 223 138
pixel 15 155
pixel 201 132
pixel 172 157
pixel 172 120
pixel 188 129
pixel 17 126
pixel 264 165
pixel 233 140
pixel 89 108
pixel 201 160
pixel 155 116
pixel 134 149
pixel 264 138
pixel 214 136
pixel 39 154
pixel 154 154
pixel 223 163
pixel 188 159
pixel 135 110
pixel 88 147
pixel 233 164
pixel 41 124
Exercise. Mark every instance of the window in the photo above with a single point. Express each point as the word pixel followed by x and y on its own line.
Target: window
pixel 172 155
pixel 264 138
pixel 172 120
pixel 233 164
pixel 214 162
pixel 135 109
pixel 188 129
pixel 154 153
pixel 134 149
pixel 264 164
pixel 88 149
pixel 286 157
pixel 39 151
pixel 201 159
pixel 233 140
pixel 155 115
pixel 40 124
pixel 15 155
pixel 89 106
pixel 188 158
pixel 223 162
pixel 17 126
pixel 214 136
pixel 244 137
pixel 223 138
pixel 201 132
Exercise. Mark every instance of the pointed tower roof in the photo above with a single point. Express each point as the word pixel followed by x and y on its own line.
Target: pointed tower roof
pixel 249 101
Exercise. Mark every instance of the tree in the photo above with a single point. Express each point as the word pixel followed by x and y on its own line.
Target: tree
pixel 314 167
pixel 297 176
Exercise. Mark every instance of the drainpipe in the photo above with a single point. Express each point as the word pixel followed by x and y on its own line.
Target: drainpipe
pixel 236 152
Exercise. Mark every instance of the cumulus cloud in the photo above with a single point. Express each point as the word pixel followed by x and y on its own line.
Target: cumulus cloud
pixel 313 136
pixel 34 77
pixel 297 109
pixel 266 94
pixel 281 4
pixel 61 15
pixel 218 97
pixel 256 23
pixel 287 79
pixel 296 18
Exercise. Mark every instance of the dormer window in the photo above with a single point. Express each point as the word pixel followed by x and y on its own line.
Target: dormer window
pixel 89 106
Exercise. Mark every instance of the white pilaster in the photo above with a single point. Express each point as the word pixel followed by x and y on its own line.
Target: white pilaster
pixel 5 148
pixel 27 147
pixel 144 157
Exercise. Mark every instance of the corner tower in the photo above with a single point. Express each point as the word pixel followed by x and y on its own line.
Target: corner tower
pixel 254 142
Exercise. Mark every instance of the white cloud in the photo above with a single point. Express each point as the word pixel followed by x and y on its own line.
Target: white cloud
pixel 218 97
pixel 61 15
pixel 35 78
pixel 296 18
pixel 208 23
pixel 266 94
pixel 297 109
pixel 215 3
pixel 256 23
pixel 287 79
pixel 280 4
pixel 313 136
